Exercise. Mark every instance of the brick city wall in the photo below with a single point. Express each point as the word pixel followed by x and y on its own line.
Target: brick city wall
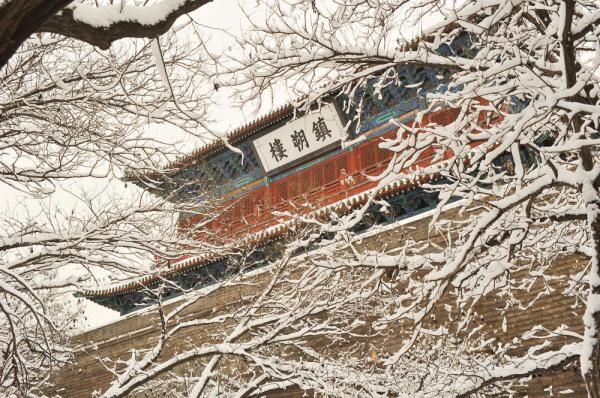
pixel 115 340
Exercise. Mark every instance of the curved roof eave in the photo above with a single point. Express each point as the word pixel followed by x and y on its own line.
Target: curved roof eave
pixel 259 238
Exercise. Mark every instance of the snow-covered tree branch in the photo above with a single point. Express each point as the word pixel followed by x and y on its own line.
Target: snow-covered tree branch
pixel 523 83
pixel 97 23
pixel 266 339
pixel 73 118
pixel 510 114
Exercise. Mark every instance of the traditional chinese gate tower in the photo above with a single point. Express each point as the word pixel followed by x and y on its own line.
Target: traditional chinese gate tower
pixel 303 163
pixel 313 164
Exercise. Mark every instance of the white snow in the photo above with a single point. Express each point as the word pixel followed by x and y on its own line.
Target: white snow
pixel 106 15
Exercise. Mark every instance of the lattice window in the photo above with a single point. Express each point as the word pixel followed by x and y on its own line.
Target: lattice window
pixel 282 191
pixel 305 185
pixel 383 154
pixel 342 164
pixel 294 186
pixel 330 172
pixel 236 211
pixel 248 206
pixel 368 155
pixel 317 176
pixel 259 199
pixel 445 117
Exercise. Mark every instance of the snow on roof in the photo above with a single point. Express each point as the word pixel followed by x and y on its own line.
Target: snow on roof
pixel 262 237
pixel 218 145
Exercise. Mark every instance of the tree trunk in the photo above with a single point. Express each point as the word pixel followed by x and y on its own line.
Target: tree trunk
pixel 20 19
pixel 592 315
pixel 592 377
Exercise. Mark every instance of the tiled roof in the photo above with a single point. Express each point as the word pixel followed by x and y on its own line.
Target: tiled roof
pixel 218 145
pixel 233 137
pixel 269 234
pixel 182 266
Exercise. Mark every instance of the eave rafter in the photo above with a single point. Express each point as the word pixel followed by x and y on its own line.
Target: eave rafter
pixel 258 239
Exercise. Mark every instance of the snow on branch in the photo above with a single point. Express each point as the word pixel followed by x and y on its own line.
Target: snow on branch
pixel 98 25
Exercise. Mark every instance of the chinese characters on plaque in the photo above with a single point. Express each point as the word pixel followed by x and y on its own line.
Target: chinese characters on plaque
pixel 299 138
pixel 277 150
